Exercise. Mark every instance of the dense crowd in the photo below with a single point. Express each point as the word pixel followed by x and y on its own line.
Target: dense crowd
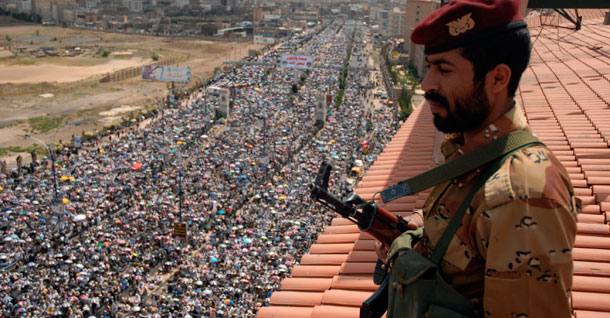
pixel 239 183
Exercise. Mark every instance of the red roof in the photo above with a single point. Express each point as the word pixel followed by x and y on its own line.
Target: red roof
pixel 565 94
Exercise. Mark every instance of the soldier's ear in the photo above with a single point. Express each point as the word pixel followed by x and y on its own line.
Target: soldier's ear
pixel 498 78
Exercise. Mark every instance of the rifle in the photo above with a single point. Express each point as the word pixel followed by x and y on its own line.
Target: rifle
pixel 375 220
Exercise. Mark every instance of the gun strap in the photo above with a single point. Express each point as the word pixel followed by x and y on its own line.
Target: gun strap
pixel 461 165
pixel 456 220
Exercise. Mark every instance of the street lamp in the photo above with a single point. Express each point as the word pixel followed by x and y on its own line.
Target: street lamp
pixel 50 152
pixel 200 78
pixel 180 177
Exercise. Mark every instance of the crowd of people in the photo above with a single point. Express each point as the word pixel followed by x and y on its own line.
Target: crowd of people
pixel 240 185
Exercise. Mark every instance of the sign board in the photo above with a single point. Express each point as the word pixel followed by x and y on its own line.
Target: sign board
pixel 57 206
pixel 77 142
pixel 224 104
pixel 166 73
pixel 180 230
pixel 296 61
pixel 320 112
pixel 394 53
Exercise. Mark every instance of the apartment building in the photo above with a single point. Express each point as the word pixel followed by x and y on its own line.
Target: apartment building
pixel 416 11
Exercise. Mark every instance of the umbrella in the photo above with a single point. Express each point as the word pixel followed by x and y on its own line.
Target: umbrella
pixel 221 212
pixel 207 292
pixel 214 260
pixel 136 166
pixel 79 217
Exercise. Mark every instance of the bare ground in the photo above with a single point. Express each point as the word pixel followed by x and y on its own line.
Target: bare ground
pixel 77 93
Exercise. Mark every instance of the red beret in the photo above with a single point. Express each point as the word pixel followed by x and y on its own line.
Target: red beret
pixel 461 22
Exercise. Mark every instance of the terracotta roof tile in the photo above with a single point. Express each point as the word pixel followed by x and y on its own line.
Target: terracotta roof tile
pixel 335 312
pixel 362 256
pixel 592 268
pixel 591 301
pixel 345 297
pixel 590 314
pixel 315 271
pixel 331 248
pixel 354 282
pixel 349 268
pixel 323 259
pixel 292 298
pixel 565 95
pixel 283 312
pixel 306 284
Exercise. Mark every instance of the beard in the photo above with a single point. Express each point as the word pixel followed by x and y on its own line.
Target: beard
pixel 470 112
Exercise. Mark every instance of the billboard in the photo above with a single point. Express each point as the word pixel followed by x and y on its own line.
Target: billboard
pixel 296 61
pixel 166 73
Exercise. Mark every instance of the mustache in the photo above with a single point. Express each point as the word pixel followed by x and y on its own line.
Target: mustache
pixel 432 96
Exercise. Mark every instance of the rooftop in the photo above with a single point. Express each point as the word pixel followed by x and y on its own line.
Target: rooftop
pixel 565 94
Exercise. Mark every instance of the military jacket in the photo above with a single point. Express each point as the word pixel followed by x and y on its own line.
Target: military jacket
pixel 513 249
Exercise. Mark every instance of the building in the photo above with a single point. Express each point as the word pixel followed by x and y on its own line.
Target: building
pixel 257 14
pixel 25 6
pixel 416 11
pixel 269 35
pixel 134 5
pixel 396 23
pixel 306 15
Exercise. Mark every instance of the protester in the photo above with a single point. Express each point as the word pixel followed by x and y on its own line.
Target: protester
pixel 239 183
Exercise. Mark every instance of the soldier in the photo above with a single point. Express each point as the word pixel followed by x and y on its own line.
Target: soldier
pixel 511 255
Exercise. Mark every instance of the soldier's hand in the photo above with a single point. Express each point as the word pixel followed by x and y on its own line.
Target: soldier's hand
pixel 415 221
pixel 381 250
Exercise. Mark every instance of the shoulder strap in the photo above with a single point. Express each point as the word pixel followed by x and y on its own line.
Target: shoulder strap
pixel 454 168
pixel 443 243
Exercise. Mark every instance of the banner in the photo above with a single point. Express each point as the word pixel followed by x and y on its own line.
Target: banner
pixel 296 61
pixel 180 230
pixel 166 73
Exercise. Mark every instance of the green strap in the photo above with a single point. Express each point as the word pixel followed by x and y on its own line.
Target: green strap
pixel 454 168
pixel 456 220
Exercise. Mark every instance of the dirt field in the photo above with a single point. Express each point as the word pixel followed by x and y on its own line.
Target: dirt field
pixel 54 97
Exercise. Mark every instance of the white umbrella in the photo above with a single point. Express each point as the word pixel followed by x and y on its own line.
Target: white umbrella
pixel 79 217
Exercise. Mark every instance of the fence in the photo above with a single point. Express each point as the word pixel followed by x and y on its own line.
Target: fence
pixel 134 71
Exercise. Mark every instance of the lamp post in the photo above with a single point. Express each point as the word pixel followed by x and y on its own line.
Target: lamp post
pixel 50 152
pixel 201 79
pixel 180 176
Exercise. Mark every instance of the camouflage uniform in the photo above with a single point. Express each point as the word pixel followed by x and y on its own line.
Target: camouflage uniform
pixel 513 249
